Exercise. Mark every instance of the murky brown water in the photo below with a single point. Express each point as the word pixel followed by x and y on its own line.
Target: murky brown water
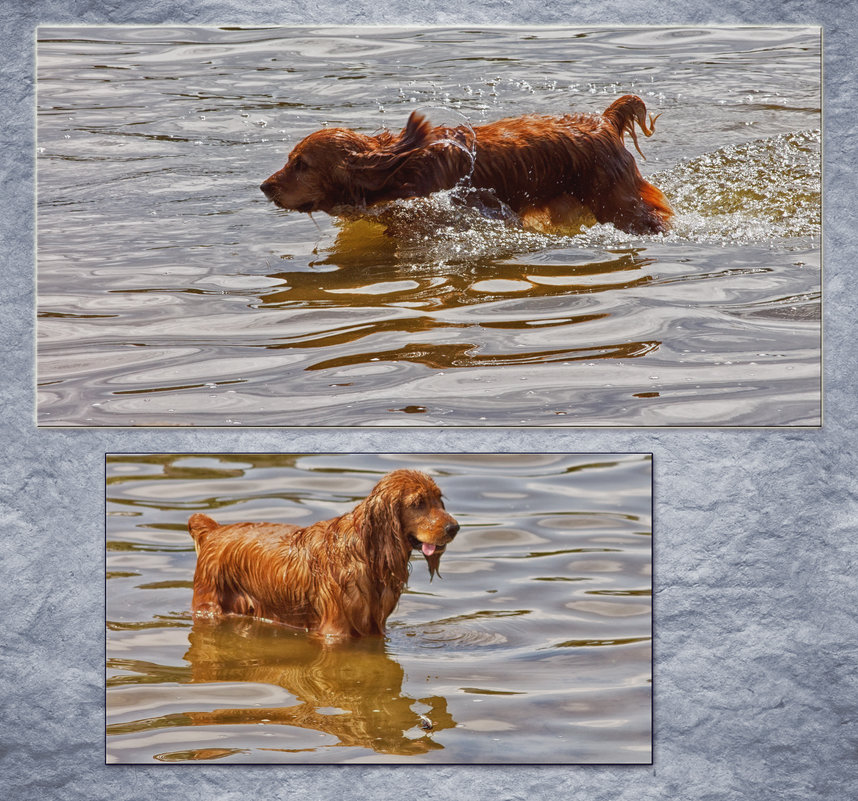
pixel 171 292
pixel 534 647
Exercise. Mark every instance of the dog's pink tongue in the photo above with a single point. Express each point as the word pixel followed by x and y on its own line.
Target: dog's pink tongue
pixel 428 548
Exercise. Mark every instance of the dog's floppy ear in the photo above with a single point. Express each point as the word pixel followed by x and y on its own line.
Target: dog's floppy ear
pixel 385 169
pixel 373 168
pixel 416 133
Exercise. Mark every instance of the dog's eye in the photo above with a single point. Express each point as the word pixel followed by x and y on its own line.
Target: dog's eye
pixel 298 163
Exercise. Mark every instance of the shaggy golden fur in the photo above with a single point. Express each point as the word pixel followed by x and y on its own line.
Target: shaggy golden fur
pixel 542 167
pixel 339 577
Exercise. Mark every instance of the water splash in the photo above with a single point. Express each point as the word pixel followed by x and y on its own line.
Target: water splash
pixel 763 192
pixel 456 225
pixel 754 192
pixel 441 116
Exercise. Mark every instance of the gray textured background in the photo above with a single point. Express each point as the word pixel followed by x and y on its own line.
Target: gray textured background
pixel 755 530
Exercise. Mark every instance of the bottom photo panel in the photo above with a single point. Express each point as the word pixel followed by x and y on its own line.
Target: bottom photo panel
pixel 379 608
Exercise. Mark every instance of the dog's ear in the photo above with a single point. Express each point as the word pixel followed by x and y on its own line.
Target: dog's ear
pixel 381 514
pixel 374 167
pixel 416 133
pixel 403 165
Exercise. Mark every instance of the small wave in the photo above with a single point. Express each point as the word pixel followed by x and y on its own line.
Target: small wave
pixel 476 632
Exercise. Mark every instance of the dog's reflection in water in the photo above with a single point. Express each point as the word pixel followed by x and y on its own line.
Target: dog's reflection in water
pixel 349 689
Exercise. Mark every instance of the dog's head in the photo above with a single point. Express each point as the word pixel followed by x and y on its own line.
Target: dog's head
pixel 316 175
pixel 338 167
pixel 412 506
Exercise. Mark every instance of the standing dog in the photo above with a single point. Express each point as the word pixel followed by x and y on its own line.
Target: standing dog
pixel 340 577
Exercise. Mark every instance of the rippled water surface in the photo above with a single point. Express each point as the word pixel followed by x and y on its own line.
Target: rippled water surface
pixel 535 646
pixel 172 292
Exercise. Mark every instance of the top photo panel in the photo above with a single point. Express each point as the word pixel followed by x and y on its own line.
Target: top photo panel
pixel 373 226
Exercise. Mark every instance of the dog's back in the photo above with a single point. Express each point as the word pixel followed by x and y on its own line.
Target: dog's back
pixel 241 569
pixel 573 163
pixel 538 165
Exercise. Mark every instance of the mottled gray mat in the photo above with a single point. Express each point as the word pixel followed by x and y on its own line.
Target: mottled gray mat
pixel 755 529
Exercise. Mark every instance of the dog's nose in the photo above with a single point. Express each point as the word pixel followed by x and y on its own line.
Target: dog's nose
pixel 451 529
pixel 268 188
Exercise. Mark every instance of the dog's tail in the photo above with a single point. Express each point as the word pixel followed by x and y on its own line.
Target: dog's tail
pixel 199 526
pixel 624 112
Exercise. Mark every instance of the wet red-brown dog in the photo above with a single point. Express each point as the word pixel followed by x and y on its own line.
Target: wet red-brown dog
pixel 544 168
pixel 340 577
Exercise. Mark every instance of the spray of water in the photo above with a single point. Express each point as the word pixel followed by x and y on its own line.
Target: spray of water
pixel 767 191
